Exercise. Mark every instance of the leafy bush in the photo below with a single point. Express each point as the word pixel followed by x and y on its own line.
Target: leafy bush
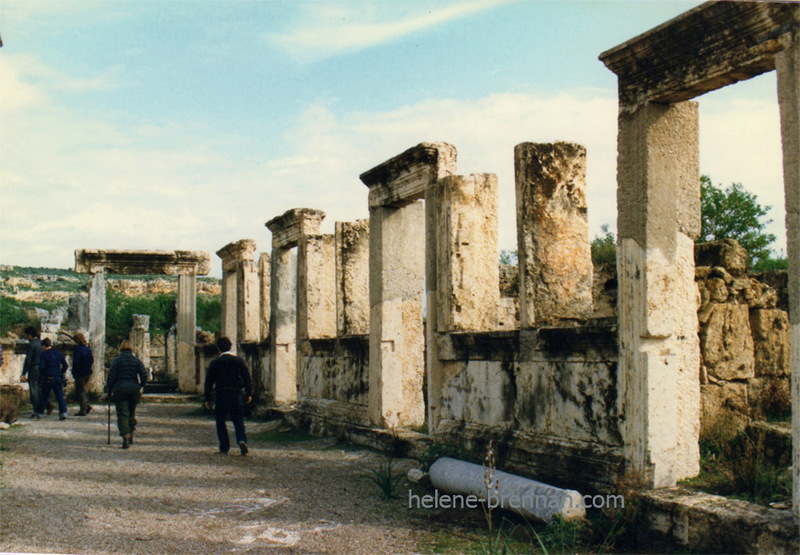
pixel 120 310
pixel 209 312
pixel 604 247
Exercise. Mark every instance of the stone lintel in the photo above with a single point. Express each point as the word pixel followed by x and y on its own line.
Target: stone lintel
pixel 144 262
pixel 288 228
pixel 236 252
pixel 404 178
pixel 704 49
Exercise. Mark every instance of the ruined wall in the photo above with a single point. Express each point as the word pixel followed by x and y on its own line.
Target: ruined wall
pixel 744 342
pixel 549 394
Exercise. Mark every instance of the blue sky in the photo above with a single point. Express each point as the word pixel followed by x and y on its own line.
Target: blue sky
pixel 188 124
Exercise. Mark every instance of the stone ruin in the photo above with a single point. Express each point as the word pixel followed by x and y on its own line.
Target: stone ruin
pixel 397 323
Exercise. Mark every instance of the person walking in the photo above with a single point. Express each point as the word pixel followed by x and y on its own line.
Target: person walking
pixel 53 370
pixel 229 375
pixel 82 361
pixel 125 379
pixel 30 368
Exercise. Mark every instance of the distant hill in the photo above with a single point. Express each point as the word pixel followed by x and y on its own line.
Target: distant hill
pixel 25 291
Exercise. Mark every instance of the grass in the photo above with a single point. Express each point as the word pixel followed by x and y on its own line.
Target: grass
pixel 283 435
pixel 739 468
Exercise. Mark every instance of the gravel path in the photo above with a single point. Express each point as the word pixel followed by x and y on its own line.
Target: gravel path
pixel 64 490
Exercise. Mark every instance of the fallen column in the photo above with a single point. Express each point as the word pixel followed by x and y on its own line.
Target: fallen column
pixel 523 496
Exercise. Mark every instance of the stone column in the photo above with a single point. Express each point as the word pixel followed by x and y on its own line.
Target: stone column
pixel 316 295
pixel 283 329
pixel 555 261
pixel 467 262
pixel 658 204
pixel 397 276
pixel 229 323
pixel 241 295
pixel 264 283
pixel 97 329
pixel 287 232
pixel 140 338
pixel 397 341
pixel 787 64
pixel 352 278
pixel 186 323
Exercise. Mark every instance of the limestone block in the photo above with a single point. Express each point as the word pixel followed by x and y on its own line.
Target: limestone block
pixel 725 409
pixel 552 233
pixel 78 312
pixel 467 271
pixel 405 177
pixel 769 397
pixel 726 253
pixel 717 290
pixel 352 277
pixel 316 287
pixel 770 328
pixel 288 228
pixel 144 262
pixel 264 285
pixel 11 399
pixel 726 344
pixel 141 322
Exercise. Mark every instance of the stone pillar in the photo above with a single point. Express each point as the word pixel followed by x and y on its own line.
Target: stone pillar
pixel 555 260
pixel 316 296
pixel 787 64
pixel 185 337
pixel 397 341
pixel 287 231
pixel 140 338
pixel 241 295
pixel 283 329
pixel 352 278
pixel 467 262
pixel 658 202
pixel 264 283
pixel 97 329
pixel 229 324
pixel 397 230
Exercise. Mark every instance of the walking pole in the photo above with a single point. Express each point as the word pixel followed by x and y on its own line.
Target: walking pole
pixel 108 396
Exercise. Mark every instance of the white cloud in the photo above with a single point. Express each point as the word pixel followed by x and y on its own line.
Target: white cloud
pixel 328 29
pixel 78 182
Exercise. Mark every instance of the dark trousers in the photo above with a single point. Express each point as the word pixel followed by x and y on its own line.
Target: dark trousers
pixel 229 402
pixel 54 385
pixel 80 391
pixel 126 399
pixel 35 389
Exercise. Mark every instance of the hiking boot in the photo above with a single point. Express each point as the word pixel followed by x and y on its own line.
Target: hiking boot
pixel 126 441
pixel 62 417
pixel 130 438
pixel 88 409
pixel 80 413
pixel 243 447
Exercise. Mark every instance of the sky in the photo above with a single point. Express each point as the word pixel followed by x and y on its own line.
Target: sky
pixel 166 124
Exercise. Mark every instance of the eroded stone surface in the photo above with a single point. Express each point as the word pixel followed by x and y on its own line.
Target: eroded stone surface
pixel 552 233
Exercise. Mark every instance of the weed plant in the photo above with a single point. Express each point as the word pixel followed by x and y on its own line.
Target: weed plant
pixel 385 478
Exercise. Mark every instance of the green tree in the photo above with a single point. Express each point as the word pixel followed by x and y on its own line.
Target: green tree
pixel 604 247
pixel 734 213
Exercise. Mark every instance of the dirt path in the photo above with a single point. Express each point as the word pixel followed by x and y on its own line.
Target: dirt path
pixel 65 490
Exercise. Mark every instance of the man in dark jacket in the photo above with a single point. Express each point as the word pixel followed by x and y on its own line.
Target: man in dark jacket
pixel 52 371
pixel 231 378
pixel 82 361
pixel 125 379
pixel 30 368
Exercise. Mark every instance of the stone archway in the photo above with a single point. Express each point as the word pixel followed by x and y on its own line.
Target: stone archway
pixel 187 265
pixel 658 202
